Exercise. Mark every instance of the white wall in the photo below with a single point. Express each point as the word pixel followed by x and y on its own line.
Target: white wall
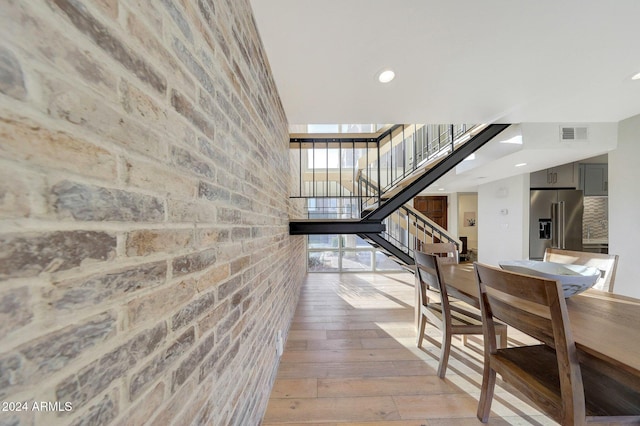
pixel 452 213
pixel 503 236
pixel 624 207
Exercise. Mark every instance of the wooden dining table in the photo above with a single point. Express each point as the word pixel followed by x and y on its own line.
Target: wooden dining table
pixel 604 325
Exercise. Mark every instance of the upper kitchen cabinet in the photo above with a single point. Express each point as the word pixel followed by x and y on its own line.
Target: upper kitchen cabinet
pixel 563 176
pixel 594 179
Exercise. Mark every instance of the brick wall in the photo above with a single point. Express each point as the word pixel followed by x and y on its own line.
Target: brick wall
pixel 145 261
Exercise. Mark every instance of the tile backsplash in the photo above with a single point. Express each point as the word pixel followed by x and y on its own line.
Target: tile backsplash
pixel 595 222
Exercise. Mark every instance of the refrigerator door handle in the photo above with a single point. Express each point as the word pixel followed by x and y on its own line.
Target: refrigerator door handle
pixel 554 225
pixel 563 235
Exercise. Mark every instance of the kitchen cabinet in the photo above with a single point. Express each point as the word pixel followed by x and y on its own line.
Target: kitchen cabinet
pixel 594 179
pixel 563 176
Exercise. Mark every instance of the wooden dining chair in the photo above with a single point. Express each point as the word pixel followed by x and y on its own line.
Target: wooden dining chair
pixel 447 252
pixel 606 263
pixel 451 317
pixel 550 374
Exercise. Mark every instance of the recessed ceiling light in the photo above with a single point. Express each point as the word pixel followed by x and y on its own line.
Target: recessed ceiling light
pixel 440 189
pixel 386 76
pixel 521 164
pixel 636 77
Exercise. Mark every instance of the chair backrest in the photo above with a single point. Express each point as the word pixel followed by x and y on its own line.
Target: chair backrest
pixel 447 252
pixel 430 278
pixel 537 307
pixel 606 263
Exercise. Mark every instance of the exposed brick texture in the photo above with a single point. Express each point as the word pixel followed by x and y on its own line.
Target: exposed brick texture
pixel 11 79
pixel 100 34
pixel 28 254
pixel 145 261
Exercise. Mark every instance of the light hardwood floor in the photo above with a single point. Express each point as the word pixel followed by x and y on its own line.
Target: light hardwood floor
pixel 351 359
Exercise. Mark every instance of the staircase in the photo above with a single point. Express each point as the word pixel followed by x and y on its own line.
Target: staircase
pixel 386 219
pixel 407 230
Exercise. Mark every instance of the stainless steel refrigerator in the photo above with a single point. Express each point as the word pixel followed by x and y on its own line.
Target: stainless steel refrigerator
pixel 555 220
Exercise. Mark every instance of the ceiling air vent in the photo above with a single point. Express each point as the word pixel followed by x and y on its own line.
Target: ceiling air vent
pixel 573 133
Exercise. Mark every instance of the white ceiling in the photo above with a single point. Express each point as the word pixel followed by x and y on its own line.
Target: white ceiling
pixel 456 61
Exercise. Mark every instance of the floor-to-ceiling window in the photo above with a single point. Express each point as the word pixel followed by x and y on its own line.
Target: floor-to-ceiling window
pixel 345 253
pixel 341 253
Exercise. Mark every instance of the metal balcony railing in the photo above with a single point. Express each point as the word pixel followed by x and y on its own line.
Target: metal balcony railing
pixel 421 145
pixel 329 167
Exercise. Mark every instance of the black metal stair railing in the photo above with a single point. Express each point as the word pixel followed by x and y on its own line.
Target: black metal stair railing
pixel 418 145
pixel 423 181
pixel 427 227
pixel 407 230
pixel 368 192
pixel 401 155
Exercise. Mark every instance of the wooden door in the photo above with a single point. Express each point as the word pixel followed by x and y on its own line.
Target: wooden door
pixel 434 207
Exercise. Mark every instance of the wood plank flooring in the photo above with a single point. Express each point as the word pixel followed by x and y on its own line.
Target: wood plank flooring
pixel 351 360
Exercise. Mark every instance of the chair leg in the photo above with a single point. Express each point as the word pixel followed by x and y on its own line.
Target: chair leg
pixel 416 303
pixel 502 338
pixel 486 392
pixel 422 324
pixel 444 353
